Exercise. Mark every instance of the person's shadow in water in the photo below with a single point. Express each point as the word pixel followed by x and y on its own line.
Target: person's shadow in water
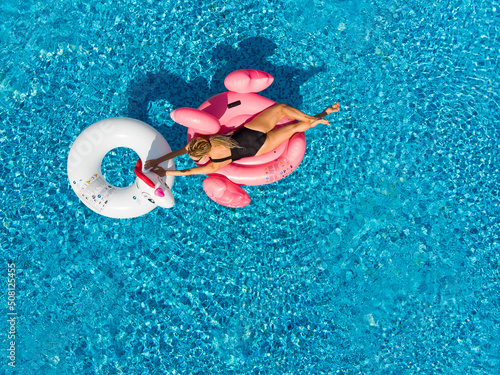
pixel 251 53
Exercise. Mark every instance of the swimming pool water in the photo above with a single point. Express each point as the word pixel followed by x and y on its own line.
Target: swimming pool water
pixel 378 255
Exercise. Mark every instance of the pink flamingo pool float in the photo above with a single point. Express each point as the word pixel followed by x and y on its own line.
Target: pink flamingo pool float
pixel 226 112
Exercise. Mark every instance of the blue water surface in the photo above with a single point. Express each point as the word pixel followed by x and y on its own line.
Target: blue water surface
pixel 378 255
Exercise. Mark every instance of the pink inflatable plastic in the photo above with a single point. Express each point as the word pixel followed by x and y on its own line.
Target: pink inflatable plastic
pixel 224 113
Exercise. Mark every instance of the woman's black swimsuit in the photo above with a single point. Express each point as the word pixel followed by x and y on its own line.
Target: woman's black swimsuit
pixel 250 142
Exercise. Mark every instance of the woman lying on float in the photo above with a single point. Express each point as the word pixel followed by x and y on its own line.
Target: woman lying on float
pixel 255 138
pixel 240 138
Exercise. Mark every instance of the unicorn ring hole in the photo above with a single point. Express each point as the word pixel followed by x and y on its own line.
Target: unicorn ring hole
pixel 117 167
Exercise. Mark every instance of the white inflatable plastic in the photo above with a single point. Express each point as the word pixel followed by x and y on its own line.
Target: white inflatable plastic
pixel 85 176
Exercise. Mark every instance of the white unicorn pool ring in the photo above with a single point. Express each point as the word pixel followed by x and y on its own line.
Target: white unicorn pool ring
pixel 86 178
pixel 224 113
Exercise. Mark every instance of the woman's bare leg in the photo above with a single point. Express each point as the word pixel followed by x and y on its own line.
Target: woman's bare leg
pixel 267 120
pixel 276 137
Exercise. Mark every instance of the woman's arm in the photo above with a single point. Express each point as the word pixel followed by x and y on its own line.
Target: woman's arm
pixel 205 169
pixel 155 162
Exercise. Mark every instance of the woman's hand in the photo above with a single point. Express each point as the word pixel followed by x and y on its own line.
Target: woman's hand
pixel 151 164
pixel 158 170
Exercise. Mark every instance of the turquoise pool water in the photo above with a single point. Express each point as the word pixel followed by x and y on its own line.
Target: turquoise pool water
pixel 378 255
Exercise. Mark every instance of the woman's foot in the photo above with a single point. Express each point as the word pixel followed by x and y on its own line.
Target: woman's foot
pixel 319 121
pixel 333 108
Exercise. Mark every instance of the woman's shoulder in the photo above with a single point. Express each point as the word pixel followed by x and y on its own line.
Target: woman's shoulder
pixel 219 151
pixel 219 154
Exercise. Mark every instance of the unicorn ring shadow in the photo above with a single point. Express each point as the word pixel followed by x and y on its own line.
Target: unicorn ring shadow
pixel 226 112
